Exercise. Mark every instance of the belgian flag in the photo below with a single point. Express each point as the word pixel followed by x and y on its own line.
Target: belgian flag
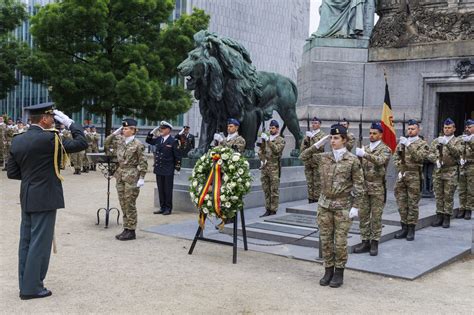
pixel 389 136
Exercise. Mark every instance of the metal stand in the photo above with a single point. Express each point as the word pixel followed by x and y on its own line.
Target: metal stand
pixel 108 168
pixel 200 236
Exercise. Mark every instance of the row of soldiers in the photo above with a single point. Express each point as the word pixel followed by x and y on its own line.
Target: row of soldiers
pixel 454 168
pixel 80 161
pixel 7 131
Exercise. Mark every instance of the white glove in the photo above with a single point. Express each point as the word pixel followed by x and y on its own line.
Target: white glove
pixel 360 152
pixel 118 131
pixel 467 138
pixel 265 137
pixel 438 164
pixel 442 140
pixel 400 175
pixel 403 141
pixel 462 162
pixel 154 130
pixel 353 213
pixel 322 142
pixel 218 137
pixel 309 134
pixel 62 118
pixel 181 132
pixel 141 182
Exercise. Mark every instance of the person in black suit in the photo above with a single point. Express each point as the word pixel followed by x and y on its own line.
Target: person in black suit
pixel 35 158
pixel 186 141
pixel 167 160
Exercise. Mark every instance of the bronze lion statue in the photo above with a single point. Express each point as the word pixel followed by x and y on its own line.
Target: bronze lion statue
pixel 227 85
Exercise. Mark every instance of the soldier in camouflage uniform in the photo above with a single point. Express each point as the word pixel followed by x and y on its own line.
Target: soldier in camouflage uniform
pixel 374 158
pixel 3 130
pixel 342 189
pixel 351 139
pixel 110 148
pixel 310 159
pixel 86 161
pixel 94 147
pixel 130 174
pixel 9 133
pixel 65 134
pixel 445 152
pixel 466 173
pixel 233 139
pixel 410 154
pixel 270 153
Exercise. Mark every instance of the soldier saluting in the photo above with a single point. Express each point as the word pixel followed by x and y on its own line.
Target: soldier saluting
pixel 410 155
pixel 342 189
pixel 445 152
pixel 130 174
pixel 374 158
pixel 35 158
pixel 310 157
pixel 233 139
pixel 466 172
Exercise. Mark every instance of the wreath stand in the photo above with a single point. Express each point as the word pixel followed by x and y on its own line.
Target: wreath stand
pixel 200 236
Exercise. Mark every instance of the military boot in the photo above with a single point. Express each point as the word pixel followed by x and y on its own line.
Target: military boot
pixel 77 171
pixel 446 221
pixel 439 220
pixel 327 276
pixel 310 201
pixel 85 170
pixel 118 236
pixel 127 236
pixel 374 248
pixel 362 247
pixel 411 232
pixel 403 233
pixel 338 278
pixel 467 215
pixel 460 214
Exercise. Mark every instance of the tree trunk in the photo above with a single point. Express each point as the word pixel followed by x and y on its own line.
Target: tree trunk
pixel 108 122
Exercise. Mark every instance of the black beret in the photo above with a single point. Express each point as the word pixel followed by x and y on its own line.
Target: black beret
pixel 338 129
pixel 129 122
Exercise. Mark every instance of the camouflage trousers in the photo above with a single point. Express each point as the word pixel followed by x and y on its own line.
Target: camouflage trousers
pixel 270 179
pixel 444 186
pixel 408 194
pixel 334 227
pixel 3 156
pixel 86 161
pixel 466 190
pixel 128 194
pixel 314 181
pixel 76 160
pixel 370 215
pixel 6 152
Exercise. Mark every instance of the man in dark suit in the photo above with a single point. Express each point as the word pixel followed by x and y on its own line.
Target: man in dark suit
pixel 35 158
pixel 167 160
pixel 186 141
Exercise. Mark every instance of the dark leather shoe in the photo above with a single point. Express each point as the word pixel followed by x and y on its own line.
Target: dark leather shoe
pixel 158 211
pixel 167 212
pixel 272 213
pixel 338 278
pixel 446 221
pixel 374 248
pixel 411 232
pixel 438 221
pixel 118 236
pixel 403 233
pixel 460 214
pixel 42 294
pixel 127 236
pixel 364 247
pixel 324 281
pixel 266 214
pixel 467 215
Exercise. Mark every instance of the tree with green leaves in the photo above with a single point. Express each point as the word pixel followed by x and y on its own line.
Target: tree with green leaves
pixel 12 14
pixel 113 56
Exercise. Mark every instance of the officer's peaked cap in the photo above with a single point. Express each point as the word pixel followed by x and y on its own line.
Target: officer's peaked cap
pixel 165 124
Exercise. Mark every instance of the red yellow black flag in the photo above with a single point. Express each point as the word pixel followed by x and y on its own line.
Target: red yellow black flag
pixel 389 136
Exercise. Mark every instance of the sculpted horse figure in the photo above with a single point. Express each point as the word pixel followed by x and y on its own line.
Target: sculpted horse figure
pixel 227 85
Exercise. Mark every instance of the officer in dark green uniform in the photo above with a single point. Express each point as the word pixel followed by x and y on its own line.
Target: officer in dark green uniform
pixel 35 158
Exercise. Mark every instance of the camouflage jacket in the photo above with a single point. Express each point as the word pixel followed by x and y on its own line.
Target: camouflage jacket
pixel 467 151
pixel 236 143
pixel 271 151
pixel 415 154
pixel 342 183
pixel 94 145
pixel 451 152
pixel 111 144
pixel 374 166
pixel 351 139
pixel 311 157
pixel 132 163
pixel 65 134
pixel 3 132
pixel 9 133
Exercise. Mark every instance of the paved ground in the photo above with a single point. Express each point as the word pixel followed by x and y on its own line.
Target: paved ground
pixel 94 273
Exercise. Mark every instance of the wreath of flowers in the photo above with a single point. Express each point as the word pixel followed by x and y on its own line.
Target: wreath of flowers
pixel 219 181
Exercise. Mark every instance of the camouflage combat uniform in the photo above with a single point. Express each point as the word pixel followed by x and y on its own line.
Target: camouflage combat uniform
pixel 3 131
pixel 408 186
pixel 86 160
pixel 445 178
pixel 270 157
pixel 132 165
pixel 66 135
pixel 339 181
pixel 466 176
pixel 237 143
pixel 94 146
pixel 374 167
pixel 110 147
pixel 351 139
pixel 9 133
pixel 311 160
